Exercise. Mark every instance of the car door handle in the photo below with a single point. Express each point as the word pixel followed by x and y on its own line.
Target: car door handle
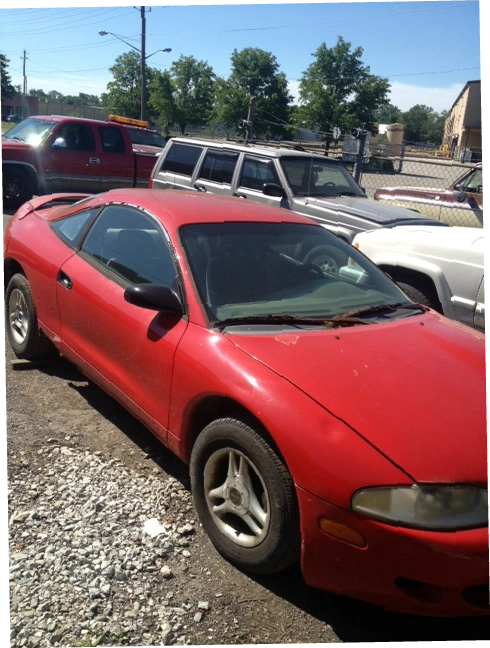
pixel 94 161
pixel 64 280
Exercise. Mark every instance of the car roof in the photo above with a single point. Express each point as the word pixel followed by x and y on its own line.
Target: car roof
pixel 272 149
pixel 178 207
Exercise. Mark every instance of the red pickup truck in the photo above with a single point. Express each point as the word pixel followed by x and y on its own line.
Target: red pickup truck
pixel 50 154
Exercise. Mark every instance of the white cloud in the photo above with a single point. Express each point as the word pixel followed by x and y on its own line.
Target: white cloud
pixel 405 96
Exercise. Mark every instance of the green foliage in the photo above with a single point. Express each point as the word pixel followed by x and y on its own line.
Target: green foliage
pixel 124 92
pixel 337 89
pixel 388 114
pixel 183 95
pixel 8 90
pixel 423 124
pixel 255 73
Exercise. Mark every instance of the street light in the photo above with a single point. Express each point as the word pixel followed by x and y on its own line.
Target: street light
pixel 143 56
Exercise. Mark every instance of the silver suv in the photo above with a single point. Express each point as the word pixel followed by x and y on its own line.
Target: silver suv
pixel 306 183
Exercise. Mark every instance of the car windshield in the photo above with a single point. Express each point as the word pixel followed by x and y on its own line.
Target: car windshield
pixel 316 176
pixel 31 131
pixel 286 273
pixel 148 138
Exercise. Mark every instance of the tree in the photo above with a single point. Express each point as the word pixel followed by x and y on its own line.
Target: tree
pixel 255 73
pixel 337 89
pixel 124 92
pixel 184 94
pixel 8 90
pixel 388 114
pixel 423 124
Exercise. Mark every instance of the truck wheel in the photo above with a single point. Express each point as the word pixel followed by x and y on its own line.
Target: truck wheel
pixel 17 188
pixel 416 295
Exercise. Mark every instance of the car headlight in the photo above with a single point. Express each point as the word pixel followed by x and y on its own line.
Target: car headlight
pixel 441 508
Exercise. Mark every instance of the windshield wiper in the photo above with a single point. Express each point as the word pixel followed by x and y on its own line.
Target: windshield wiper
pixel 294 320
pixel 379 308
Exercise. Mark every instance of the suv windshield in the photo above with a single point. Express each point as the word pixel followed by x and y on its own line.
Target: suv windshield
pixel 31 131
pixel 285 273
pixel 315 176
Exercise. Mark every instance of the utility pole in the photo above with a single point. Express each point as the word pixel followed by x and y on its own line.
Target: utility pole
pixel 24 86
pixel 250 119
pixel 143 64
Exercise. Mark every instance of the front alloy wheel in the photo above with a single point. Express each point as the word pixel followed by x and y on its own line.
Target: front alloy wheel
pixel 245 496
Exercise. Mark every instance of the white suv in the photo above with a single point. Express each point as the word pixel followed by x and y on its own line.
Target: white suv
pixel 310 184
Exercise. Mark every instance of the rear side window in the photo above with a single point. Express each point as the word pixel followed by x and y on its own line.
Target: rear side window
pixel 112 140
pixel 71 228
pixel 218 166
pixel 182 159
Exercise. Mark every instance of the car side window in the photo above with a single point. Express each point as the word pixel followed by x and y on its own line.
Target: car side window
pixel 474 182
pixel 71 228
pixel 112 139
pixel 78 137
pixel 181 159
pixel 218 166
pixel 256 172
pixel 131 245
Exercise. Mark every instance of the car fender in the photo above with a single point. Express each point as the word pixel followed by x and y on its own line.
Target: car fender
pixel 386 260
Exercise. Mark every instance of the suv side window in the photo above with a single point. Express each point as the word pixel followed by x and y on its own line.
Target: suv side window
pixel 256 172
pixel 181 159
pixel 218 166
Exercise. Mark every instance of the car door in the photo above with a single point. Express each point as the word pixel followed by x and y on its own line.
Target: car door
pixel 70 160
pixel 215 172
pixel 126 349
pixel 463 204
pixel 254 172
pixel 116 166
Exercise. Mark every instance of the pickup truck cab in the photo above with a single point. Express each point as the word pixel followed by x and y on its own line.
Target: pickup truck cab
pixel 52 154
pixel 441 267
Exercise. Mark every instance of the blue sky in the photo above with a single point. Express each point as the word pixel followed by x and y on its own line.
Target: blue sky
pixel 426 49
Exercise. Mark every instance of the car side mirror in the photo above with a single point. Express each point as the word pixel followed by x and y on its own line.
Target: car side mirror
pixel 154 297
pixel 461 196
pixel 274 190
pixel 59 142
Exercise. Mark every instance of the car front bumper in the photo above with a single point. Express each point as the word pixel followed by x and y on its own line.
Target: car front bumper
pixel 403 570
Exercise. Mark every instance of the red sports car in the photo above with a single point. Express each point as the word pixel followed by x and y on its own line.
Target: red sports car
pixel 325 417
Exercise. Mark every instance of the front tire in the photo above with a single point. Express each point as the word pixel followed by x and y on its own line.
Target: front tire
pixel 245 497
pixel 418 295
pixel 17 188
pixel 26 340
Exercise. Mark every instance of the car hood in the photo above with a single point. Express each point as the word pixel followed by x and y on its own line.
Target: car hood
pixel 8 144
pixel 415 238
pixel 366 209
pixel 413 388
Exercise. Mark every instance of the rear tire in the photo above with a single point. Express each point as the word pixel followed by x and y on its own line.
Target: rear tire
pixel 26 340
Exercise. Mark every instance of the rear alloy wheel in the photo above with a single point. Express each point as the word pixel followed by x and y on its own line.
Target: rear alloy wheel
pixel 245 497
pixel 25 338
pixel 325 258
